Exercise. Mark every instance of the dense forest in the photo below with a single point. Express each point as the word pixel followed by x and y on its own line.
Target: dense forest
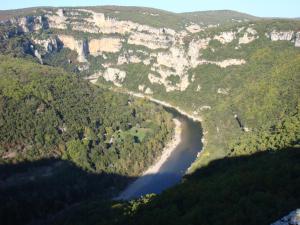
pixel 47 113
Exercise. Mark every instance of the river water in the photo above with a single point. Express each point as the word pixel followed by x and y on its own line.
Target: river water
pixel 174 168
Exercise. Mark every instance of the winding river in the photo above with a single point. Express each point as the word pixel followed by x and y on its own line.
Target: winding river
pixel 173 168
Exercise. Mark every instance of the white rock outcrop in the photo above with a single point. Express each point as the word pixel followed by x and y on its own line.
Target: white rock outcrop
pixel 177 61
pixel 57 20
pixel 205 107
pixel 80 46
pixel 126 58
pixel 246 39
pixel 134 59
pixel 38 55
pixel 114 75
pixel 297 39
pixel 98 46
pixel 225 37
pixel 195 46
pixel 141 87
pixel 150 41
pixel 29 23
pixel 110 25
pixel 193 28
pixel 49 45
pixel 281 35
pixel 169 54
pixel 223 91
pixel 174 58
pixel 148 91
pixel 249 36
pixel 229 62
pixel 291 219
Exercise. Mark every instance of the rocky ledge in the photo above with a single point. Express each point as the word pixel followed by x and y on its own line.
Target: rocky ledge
pixel 291 219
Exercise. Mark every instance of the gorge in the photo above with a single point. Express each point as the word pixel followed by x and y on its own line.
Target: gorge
pixel 131 115
pixel 180 153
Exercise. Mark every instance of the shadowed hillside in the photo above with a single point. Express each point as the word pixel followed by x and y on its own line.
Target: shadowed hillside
pixel 33 191
pixel 248 190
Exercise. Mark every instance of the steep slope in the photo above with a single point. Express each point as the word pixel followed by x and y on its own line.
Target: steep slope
pixel 238 74
pixel 56 127
pixel 44 112
pixel 249 190
pixel 243 190
pixel 223 69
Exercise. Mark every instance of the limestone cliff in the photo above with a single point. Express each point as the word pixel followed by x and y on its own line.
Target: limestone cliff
pixel 98 46
pixel 168 54
pixel 80 46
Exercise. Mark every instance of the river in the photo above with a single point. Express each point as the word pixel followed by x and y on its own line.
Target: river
pixel 175 166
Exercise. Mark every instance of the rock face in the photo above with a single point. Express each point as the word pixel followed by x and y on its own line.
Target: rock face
pixel 193 28
pixel 57 20
pixel 174 58
pixel 148 91
pixel 114 75
pixel 291 219
pixel 226 37
pixel 249 36
pixel 195 47
pixel 80 46
pixel 281 35
pixel 30 23
pixel 167 55
pixel 152 41
pixel 297 39
pixel 141 87
pixel 223 91
pixel 49 45
pixel 229 62
pixel 98 46
pixel 38 55
pixel 285 36
pixel 108 25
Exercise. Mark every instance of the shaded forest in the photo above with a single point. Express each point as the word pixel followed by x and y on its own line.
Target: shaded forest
pixel 250 190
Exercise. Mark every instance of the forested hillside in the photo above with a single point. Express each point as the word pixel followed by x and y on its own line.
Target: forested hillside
pixel 47 113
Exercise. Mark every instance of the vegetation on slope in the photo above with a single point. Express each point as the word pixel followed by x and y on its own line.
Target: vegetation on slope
pixel 149 16
pixel 256 189
pixel 217 17
pixel 249 190
pixel 47 113
pixel 263 93
pixel 64 117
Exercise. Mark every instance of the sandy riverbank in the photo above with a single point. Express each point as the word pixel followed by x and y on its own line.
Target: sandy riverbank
pixel 154 169
pixel 143 180
pixel 176 139
pixel 163 103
